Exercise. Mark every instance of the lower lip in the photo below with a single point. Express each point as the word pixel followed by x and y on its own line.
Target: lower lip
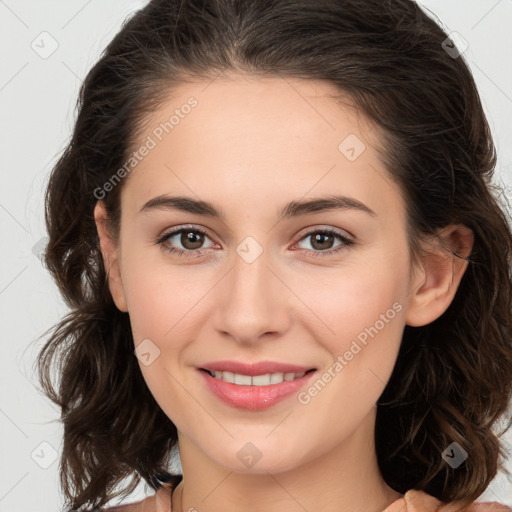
pixel 254 398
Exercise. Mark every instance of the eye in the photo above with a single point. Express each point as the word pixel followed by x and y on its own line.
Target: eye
pixel 323 238
pixel 192 239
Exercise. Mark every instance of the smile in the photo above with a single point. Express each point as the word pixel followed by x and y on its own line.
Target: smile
pixel 256 380
pixel 256 392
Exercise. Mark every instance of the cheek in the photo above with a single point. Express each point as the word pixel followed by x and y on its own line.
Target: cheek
pixel 158 293
pixel 145 305
pixel 349 300
pixel 363 317
pixel 160 306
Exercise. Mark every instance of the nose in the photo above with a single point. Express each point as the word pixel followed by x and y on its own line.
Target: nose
pixel 252 300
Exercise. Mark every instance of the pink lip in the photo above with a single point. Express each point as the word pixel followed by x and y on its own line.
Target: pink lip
pixel 260 368
pixel 254 398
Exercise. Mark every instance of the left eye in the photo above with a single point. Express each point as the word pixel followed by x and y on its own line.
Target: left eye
pixel 193 238
pixel 320 235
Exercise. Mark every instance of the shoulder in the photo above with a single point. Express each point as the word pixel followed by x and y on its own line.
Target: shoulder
pixel 419 501
pixel 159 502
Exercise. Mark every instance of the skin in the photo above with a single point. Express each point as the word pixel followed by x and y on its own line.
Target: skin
pixel 249 147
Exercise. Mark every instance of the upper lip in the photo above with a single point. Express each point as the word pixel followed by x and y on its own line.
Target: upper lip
pixel 256 368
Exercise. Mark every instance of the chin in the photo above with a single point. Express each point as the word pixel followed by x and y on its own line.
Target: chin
pixel 256 458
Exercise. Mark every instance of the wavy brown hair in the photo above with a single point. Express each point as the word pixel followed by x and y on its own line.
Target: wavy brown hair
pixel 453 378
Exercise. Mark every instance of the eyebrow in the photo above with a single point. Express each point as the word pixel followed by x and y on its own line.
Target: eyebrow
pixel 292 209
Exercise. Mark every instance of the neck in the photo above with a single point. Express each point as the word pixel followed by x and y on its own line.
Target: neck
pixel 345 478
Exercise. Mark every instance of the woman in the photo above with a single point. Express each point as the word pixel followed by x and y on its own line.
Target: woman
pixel 218 147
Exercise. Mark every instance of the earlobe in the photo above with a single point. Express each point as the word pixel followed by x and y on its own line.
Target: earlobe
pixel 109 250
pixel 437 278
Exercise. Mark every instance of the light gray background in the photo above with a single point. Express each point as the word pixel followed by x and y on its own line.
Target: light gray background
pixel 37 100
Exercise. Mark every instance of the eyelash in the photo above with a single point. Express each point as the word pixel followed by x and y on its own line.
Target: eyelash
pixel 198 252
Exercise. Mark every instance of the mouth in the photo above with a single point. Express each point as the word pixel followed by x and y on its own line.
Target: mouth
pixel 267 379
pixel 254 392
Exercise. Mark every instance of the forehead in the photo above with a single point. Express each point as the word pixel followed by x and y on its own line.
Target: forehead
pixel 256 138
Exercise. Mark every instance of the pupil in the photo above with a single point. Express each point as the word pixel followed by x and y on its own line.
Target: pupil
pixel 320 236
pixel 188 237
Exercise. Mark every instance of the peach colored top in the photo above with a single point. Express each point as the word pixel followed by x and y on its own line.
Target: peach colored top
pixel 419 501
pixel 412 501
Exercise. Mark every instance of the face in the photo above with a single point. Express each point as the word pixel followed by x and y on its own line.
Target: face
pixel 323 289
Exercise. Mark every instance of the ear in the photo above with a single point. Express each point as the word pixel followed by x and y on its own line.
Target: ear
pixel 437 277
pixel 110 252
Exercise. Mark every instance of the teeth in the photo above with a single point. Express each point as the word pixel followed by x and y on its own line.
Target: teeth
pixel 256 380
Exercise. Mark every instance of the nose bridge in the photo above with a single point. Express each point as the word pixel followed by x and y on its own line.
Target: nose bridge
pixel 250 273
pixel 250 306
